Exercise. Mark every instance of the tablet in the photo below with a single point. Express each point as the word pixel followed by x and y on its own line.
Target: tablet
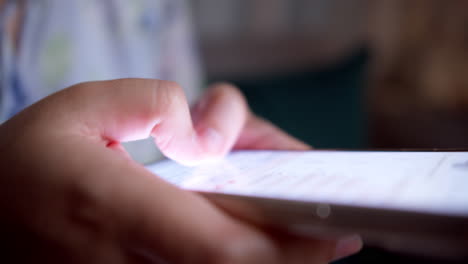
pixel 408 201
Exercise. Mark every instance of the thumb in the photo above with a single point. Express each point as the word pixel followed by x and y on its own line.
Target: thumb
pixel 132 109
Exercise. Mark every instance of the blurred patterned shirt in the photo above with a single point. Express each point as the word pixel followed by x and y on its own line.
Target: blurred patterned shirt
pixel 61 43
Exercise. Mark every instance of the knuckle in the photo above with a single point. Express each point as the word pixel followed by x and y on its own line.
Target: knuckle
pixel 163 97
pixel 169 94
pixel 227 92
pixel 173 89
pixel 220 90
pixel 227 88
pixel 224 85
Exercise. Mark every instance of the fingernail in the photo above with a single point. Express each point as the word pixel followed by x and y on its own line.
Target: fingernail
pixel 347 246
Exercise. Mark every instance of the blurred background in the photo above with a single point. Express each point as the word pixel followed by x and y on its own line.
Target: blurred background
pixel 346 73
pixel 301 63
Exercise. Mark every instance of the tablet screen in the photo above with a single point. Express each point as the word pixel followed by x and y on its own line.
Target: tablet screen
pixel 431 182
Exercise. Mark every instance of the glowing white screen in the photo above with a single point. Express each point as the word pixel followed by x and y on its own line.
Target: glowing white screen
pixel 434 182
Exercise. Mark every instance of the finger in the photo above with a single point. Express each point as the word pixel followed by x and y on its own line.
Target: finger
pixel 347 246
pixel 296 250
pixel 261 134
pixel 130 109
pixel 220 116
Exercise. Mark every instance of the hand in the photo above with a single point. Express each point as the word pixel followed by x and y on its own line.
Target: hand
pixel 70 194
